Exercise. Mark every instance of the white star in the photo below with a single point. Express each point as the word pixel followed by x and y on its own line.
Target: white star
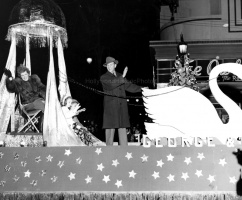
pixel 54 179
pixel 170 157
pixel 188 160
pixel 61 164
pixel 199 173
pixel 118 183
pixel 171 178
pixel 49 158
pixel 222 162
pixel 27 174
pixel 200 156
pixel 156 175
pixel 98 150
pixel 132 174
pixel 100 167
pixel 1 154
pixel 144 158
pixel 129 155
pixel 37 159
pixel 185 176
pixel 211 178
pixel 79 160
pixel 106 178
pixel 72 176
pixel 88 179
pixel 160 163
pixel 232 180
pixel 68 152
pixel 115 163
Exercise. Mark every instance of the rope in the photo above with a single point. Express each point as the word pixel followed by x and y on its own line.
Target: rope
pixel 127 97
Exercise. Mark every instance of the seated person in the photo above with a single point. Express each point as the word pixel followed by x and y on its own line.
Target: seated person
pixel 30 88
pixel 70 109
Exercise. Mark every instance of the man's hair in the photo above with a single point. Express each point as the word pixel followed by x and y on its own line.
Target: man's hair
pixel 21 69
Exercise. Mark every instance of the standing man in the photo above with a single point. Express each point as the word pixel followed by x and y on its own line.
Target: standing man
pixel 115 114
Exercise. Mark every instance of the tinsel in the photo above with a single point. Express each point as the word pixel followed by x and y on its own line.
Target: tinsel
pixel 38 33
pixel 27 140
pixel 118 196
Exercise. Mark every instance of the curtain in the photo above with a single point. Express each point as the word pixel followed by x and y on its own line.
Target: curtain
pixel 28 63
pixel 7 100
pixel 55 129
pixel 63 88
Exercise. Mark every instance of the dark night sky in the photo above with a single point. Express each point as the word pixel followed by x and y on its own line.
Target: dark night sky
pixel 96 28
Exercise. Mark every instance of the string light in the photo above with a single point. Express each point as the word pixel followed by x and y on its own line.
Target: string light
pixel 89 60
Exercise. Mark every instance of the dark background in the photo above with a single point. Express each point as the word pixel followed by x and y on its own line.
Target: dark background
pixel 97 29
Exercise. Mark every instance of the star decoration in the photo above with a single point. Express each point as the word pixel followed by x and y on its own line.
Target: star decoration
pixel 98 151
pixel 144 158
pixel 156 175
pixel 200 156
pixel 119 183
pixel 115 163
pixel 60 164
pixel 37 159
pixel 185 176
pixel 88 179
pixel 16 178
pixel 49 158
pixel 2 183
pixel 129 155
pixel 132 174
pixel 160 163
pixel 72 176
pixel 222 162
pixel 199 173
pixel 1 154
pixel 7 168
pixel 54 179
pixel 106 179
pixel 23 163
pixel 16 156
pixel 34 182
pixel 211 178
pixel 232 180
pixel 68 152
pixel 170 157
pixel 100 167
pixel 43 172
pixel 171 177
pixel 27 173
pixel 79 160
pixel 188 160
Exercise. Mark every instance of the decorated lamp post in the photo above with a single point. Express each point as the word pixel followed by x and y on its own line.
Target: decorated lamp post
pixel 183 74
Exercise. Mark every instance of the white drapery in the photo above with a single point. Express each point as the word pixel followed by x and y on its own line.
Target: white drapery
pixel 7 102
pixel 56 130
pixel 63 88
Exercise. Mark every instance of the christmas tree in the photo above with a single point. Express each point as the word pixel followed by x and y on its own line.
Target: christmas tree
pixel 183 74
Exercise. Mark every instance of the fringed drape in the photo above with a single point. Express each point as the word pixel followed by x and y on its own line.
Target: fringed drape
pixel 55 130
pixel 63 88
pixel 119 196
pixel 7 102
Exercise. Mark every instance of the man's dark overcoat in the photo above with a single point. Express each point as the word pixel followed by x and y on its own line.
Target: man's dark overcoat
pixel 115 113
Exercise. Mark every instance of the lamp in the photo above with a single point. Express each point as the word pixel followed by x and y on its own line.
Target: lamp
pixel 182 46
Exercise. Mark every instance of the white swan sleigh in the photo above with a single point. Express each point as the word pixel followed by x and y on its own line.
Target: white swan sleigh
pixel 182 112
